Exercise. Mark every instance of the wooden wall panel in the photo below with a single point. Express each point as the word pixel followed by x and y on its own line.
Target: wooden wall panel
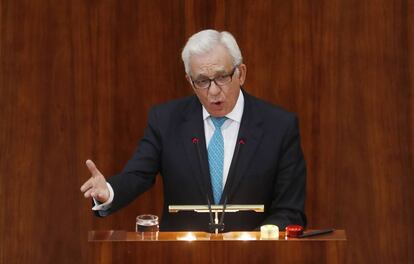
pixel 77 79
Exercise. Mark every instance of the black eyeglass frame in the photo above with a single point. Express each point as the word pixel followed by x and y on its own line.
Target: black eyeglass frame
pixel 214 80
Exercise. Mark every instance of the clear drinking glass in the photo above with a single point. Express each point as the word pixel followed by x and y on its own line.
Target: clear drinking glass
pixel 147 223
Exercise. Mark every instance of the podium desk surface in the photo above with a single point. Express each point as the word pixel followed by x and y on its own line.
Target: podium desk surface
pixel 110 247
pixel 118 235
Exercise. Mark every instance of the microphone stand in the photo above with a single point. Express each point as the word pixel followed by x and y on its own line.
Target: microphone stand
pixel 215 226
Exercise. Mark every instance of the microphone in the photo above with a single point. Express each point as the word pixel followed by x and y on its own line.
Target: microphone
pixel 215 225
pixel 195 141
pixel 240 143
pixel 210 213
pixel 233 166
pixel 221 223
pixel 212 227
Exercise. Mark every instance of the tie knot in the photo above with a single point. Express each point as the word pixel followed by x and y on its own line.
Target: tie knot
pixel 218 121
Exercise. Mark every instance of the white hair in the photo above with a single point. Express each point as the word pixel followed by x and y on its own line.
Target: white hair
pixel 205 40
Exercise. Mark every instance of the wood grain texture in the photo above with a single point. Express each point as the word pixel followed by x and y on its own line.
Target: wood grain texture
pixel 122 247
pixel 77 79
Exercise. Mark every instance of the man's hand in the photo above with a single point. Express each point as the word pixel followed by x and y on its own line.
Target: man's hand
pixel 96 186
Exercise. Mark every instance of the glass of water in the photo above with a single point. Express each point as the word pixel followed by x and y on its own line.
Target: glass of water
pixel 147 223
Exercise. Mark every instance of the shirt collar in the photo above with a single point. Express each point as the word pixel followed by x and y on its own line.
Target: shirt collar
pixel 235 114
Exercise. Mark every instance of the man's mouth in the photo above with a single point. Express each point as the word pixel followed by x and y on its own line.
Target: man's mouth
pixel 216 105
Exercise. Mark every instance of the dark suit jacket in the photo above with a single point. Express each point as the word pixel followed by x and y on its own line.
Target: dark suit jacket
pixel 270 168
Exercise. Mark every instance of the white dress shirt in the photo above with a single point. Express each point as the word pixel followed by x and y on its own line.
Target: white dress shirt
pixel 229 130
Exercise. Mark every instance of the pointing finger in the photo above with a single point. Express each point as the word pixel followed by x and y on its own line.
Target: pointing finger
pixel 92 168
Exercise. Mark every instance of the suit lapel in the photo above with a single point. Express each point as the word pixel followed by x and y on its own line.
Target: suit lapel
pixel 193 140
pixel 250 133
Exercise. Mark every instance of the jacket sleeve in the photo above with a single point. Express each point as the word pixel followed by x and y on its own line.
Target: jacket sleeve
pixel 140 171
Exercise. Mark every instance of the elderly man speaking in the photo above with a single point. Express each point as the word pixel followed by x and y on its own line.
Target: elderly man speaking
pixel 220 144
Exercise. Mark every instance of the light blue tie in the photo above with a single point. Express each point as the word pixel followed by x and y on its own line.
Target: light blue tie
pixel 216 158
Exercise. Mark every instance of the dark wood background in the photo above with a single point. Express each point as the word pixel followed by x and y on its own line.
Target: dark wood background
pixel 78 77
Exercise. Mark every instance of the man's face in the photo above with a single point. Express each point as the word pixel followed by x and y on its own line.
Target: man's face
pixel 218 100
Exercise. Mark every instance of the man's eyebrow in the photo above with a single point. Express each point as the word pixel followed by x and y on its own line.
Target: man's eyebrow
pixel 220 72
pixel 217 73
pixel 201 76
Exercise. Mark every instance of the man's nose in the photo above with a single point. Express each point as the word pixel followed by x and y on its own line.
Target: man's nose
pixel 214 89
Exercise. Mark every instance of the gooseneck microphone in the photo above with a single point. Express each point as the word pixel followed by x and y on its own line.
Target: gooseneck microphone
pixel 195 142
pixel 233 167
pixel 221 223
pixel 240 143
pixel 214 224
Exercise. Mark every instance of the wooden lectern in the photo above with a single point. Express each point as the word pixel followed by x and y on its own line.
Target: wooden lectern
pixel 200 247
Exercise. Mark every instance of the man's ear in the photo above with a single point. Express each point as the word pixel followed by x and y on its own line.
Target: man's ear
pixel 242 73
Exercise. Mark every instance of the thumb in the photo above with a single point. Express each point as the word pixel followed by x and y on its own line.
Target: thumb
pixel 92 168
pixel 103 195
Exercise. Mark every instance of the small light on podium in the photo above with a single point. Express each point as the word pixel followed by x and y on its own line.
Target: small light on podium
pixel 187 237
pixel 245 236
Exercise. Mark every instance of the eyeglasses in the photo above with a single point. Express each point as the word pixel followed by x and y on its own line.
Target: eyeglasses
pixel 221 80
